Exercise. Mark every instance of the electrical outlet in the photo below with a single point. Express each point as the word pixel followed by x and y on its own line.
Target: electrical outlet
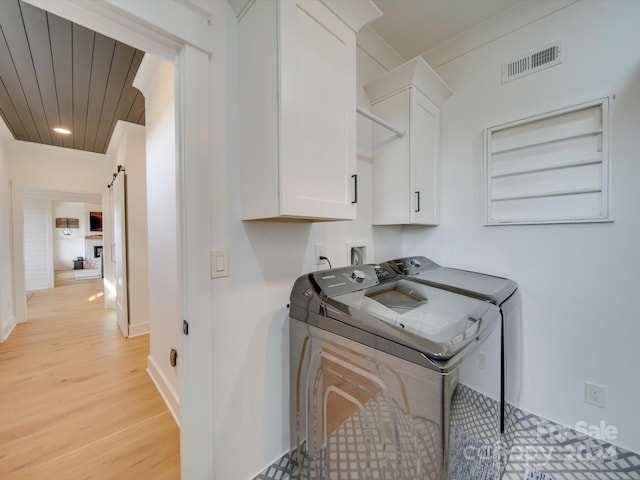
pixel 594 394
pixel 482 360
pixel 320 252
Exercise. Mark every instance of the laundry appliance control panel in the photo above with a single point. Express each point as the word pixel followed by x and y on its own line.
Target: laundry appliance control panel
pixel 339 281
pixel 413 265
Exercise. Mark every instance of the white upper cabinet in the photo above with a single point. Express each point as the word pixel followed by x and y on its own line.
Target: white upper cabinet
pixel 406 169
pixel 297 66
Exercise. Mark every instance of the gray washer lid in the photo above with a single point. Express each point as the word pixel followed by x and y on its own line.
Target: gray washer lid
pixel 478 285
pixel 434 321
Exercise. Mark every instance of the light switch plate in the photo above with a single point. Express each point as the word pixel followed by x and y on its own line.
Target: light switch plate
pixel 219 263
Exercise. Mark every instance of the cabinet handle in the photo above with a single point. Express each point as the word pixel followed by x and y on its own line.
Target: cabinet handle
pixel 417 202
pixel 355 188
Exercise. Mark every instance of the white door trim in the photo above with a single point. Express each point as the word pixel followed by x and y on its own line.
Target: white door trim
pixel 189 48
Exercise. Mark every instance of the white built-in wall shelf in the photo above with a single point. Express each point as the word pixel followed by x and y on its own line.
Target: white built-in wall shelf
pixel 550 168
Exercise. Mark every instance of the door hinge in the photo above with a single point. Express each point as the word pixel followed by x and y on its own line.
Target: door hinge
pixel 185 327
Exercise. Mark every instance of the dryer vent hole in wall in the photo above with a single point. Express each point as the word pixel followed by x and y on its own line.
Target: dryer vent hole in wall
pixel 532 62
pixel 358 255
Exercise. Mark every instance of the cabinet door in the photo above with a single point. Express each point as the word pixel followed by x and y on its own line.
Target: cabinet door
pixel 424 146
pixel 391 177
pixel 317 112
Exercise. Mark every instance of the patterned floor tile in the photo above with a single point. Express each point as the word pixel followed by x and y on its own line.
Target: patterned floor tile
pixel 277 471
pixel 540 449
pixel 376 443
pixel 562 453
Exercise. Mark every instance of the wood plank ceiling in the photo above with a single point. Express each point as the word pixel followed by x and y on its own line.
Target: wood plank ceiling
pixel 54 73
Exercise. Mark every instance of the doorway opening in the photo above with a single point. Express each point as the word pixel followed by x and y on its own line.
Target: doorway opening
pixel 188 45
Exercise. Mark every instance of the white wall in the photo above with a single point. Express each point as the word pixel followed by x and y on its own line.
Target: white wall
pixel 128 149
pixel 156 80
pixel 38 244
pixel 7 319
pixel 578 282
pixel 35 166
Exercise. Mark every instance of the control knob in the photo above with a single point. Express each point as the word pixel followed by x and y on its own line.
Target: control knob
pixel 358 276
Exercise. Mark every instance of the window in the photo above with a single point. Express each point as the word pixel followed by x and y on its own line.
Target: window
pixel 551 168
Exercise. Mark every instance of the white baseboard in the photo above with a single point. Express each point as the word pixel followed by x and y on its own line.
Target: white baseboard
pixel 136 329
pixel 167 393
pixel 7 328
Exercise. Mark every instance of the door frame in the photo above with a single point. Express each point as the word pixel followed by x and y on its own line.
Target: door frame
pixel 188 44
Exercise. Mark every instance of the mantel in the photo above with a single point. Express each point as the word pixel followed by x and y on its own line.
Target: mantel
pixel 93 237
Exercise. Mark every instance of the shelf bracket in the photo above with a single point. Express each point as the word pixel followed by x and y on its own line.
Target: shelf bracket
pixel 380 121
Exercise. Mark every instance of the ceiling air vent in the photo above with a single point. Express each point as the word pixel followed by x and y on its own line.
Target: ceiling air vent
pixel 531 63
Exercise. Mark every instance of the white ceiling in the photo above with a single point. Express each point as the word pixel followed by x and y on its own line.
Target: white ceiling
pixel 413 27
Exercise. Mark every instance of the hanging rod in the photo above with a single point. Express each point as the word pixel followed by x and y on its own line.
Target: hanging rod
pixel 379 121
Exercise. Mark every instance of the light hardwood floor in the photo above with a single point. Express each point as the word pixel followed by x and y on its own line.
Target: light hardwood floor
pixel 75 399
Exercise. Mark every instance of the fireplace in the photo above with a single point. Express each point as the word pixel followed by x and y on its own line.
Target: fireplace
pixel 97 251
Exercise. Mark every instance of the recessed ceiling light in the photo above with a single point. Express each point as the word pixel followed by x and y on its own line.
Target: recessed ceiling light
pixel 61 130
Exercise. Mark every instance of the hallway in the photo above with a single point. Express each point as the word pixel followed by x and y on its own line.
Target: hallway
pixel 75 398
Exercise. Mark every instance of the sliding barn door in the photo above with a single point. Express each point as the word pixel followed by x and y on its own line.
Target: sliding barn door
pixel 119 249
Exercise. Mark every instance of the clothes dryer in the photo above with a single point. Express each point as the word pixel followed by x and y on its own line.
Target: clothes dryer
pixel 498 291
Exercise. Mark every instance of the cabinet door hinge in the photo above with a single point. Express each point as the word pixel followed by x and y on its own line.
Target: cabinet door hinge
pixel 185 327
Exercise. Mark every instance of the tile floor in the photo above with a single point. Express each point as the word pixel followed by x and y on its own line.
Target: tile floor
pixel 538 449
